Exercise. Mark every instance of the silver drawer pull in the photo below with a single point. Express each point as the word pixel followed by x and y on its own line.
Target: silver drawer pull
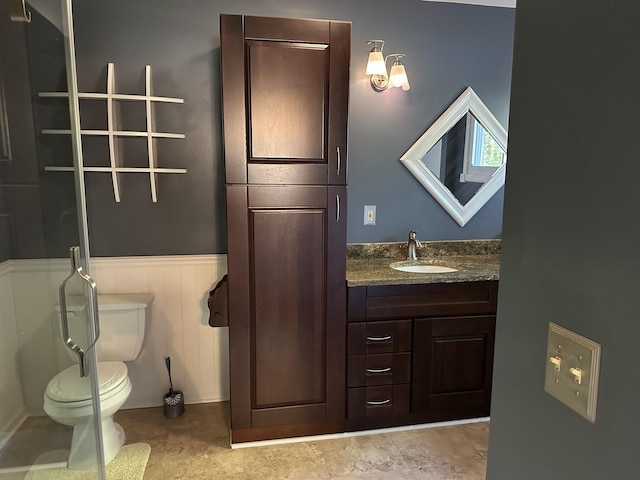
pixel 380 402
pixel 338 160
pixel 379 339
pixel 378 370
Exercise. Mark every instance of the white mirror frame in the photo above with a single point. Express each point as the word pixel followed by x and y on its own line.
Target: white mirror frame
pixel 468 101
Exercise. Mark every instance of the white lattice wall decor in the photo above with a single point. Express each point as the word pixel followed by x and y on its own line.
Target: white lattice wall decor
pixel 115 167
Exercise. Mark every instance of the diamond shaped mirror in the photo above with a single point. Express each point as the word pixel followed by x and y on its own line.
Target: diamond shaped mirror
pixel 461 158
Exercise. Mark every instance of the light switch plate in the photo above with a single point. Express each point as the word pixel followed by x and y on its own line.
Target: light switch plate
pixel 572 370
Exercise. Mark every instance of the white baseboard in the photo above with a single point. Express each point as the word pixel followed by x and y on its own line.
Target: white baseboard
pixel 191 398
pixel 333 436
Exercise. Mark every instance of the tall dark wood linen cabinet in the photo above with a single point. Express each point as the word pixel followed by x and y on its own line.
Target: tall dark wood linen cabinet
pixel 285 86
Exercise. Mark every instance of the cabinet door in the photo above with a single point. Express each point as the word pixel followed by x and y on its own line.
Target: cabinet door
pixel 285 87
pixel 287 307
pixel 452 366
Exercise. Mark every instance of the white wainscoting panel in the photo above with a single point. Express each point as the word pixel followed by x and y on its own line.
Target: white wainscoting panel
pixel 12 411
pixel 35 287
pixel 177 327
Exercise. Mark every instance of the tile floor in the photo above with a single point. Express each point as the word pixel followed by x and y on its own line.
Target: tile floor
pixel 36 437
pixel 196 446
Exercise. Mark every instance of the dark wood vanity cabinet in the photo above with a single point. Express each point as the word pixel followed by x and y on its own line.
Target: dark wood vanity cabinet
pixel 452 366
pixel 285 89
pixel 419 353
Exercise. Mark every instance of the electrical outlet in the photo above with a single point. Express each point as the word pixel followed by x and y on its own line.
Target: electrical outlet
pixel 369 214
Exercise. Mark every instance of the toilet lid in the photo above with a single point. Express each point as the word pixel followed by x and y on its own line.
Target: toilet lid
pixel 69 386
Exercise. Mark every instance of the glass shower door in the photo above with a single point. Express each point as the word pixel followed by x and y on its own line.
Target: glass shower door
pixel 43 241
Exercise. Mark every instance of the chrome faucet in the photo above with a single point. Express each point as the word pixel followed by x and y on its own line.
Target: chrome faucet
pixel 412 245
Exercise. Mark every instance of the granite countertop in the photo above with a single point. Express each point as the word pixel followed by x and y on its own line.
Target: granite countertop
pixel 475 260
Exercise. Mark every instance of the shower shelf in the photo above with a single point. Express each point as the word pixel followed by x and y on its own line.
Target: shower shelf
pixel 115 168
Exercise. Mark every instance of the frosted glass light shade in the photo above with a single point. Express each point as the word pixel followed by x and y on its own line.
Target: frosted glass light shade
pixel 375 64
pixel 398 76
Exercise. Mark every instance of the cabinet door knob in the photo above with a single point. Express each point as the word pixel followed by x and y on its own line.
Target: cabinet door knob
pixel 337 208
pixel 338 160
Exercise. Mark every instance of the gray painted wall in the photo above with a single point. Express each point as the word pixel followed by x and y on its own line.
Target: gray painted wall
pixel 448 47
pixel 570 245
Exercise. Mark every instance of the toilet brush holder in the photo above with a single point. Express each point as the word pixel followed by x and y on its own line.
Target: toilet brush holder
pixel 173 404
pixel 173 400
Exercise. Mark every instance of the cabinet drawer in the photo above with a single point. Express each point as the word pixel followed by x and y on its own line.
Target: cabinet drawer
pixel 379 337
pixel 410 301
pixel 378 369
pixel 378 401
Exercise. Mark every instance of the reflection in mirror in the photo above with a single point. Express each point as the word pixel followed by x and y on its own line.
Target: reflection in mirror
pixel 465 158
pixel 461 158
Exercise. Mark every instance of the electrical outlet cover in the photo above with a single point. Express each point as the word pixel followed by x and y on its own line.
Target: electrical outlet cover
pixel 369 214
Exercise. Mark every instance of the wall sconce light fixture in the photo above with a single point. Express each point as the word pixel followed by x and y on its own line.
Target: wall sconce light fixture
pixel 377 68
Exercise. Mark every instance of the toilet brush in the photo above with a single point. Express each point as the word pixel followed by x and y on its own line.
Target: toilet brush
pixel 173 405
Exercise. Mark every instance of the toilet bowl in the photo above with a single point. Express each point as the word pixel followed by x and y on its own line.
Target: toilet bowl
pixel 67 398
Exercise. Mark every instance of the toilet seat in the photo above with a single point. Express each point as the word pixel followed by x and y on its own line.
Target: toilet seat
pixel 69 388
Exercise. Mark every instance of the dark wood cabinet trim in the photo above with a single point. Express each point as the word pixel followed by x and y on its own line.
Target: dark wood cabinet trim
pixel 336 302
pixel 357 303
pixel 340 59
pixel 438 291
pixel 289 174
pixel 291 414
pixel 437 299
pixel 291 196
pixel 239 435
pixel 232 86
pixel 283 29
pixel 238 266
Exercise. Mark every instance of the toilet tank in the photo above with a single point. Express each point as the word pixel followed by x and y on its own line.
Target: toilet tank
pixel 122 320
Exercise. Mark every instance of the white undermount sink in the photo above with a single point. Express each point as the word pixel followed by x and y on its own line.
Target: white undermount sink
pixel 414 266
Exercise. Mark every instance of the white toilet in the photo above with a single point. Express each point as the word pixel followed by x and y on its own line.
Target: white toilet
pixel 67 399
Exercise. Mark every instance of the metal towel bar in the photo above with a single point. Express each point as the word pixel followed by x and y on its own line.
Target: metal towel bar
pixel 19 12
pixel 94 327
